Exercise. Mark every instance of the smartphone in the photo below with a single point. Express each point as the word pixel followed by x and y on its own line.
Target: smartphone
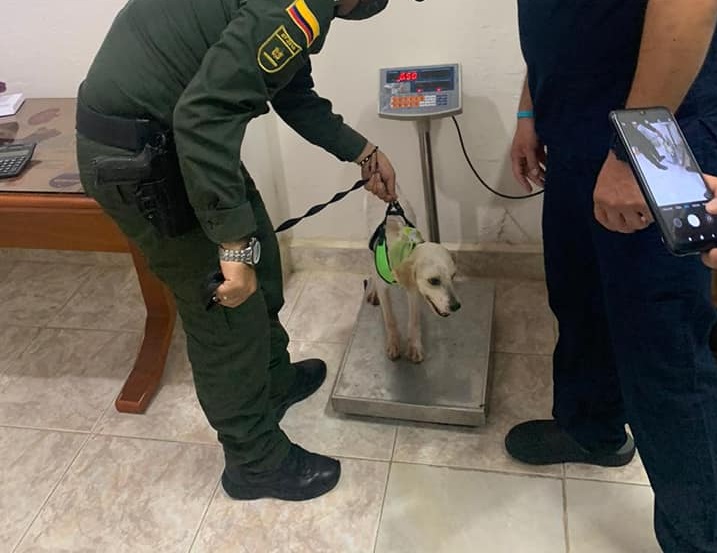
pixel 669 176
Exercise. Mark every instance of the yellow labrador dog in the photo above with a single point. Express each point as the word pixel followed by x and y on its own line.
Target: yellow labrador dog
pixel 423 269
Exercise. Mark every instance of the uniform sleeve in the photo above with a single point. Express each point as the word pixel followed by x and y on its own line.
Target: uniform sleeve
pixel 312 117
pixel 258 53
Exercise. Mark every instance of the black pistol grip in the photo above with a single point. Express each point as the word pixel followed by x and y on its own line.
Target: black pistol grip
pixel 214 281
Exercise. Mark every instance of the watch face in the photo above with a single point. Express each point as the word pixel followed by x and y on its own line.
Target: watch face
pixel 256 253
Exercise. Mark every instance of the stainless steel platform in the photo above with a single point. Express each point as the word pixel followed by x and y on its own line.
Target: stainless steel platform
pixel 449 387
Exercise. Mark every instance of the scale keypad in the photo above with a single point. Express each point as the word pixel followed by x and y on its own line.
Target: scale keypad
pixel 419 101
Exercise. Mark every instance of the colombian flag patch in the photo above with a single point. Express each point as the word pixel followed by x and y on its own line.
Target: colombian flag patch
pixel 301 14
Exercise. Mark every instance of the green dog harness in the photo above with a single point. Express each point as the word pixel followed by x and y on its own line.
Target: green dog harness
pixel 384 257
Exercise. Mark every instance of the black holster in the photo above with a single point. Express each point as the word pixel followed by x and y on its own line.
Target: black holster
pixel 150 177
pixel 153 181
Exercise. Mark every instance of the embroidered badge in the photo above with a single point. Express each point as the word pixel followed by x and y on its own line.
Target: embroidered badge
pixel 305 19
pixel 277 51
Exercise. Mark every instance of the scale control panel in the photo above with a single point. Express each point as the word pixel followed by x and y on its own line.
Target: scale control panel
pixel 428 91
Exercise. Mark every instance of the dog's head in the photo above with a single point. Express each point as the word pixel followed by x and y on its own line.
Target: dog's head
pixel 430 270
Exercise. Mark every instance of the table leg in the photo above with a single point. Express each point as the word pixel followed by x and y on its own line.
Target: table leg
pixel 143 381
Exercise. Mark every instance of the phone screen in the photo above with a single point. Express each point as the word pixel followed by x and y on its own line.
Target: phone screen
pixel 667 168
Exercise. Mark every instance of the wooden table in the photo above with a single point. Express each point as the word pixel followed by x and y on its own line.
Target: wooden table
pixel 45 208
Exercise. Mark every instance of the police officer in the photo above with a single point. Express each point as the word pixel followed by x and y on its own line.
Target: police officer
pixel 634 321
pixel 181 79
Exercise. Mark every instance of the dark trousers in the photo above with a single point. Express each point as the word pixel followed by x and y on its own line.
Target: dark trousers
pixel 634 328
pixel 239 356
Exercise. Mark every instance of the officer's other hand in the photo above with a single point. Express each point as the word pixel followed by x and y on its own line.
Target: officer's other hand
pixel 619 203
pixel 710 258
pixel 239 283
pixel 528 156
pixel 381 176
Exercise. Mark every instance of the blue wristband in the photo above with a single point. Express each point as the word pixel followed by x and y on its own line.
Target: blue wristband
pixel 528 114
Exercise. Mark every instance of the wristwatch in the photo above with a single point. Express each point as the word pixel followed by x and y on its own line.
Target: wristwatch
pixel 251 255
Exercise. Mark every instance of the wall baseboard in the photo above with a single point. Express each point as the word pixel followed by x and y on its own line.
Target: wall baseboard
pixel 523 262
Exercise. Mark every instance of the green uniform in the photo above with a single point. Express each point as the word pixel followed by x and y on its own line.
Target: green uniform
pixel 205 68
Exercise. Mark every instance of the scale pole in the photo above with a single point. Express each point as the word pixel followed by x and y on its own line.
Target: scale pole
pixel 429 179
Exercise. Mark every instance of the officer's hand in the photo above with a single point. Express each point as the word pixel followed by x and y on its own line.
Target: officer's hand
pixel 528 156
pixel 710 258
pixel 381 176
pixel 619 203
pixel 239 283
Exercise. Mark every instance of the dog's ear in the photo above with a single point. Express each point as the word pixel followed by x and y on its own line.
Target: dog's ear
pixel 406 273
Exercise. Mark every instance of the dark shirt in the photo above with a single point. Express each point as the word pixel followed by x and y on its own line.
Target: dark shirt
pixel 581 57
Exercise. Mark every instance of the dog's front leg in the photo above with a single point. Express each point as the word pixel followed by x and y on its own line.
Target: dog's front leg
pixel 393 337
pixel 415 341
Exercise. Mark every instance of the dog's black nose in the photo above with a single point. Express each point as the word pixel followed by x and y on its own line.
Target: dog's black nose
pixel 455 306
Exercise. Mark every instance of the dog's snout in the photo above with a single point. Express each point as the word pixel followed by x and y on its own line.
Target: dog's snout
pixel 455 305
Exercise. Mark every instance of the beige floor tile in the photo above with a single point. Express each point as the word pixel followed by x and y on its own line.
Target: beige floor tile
pixel 523 321
pixel 66 378
pixel 13 341
pixel 6 266
pixel 327 308
pixel 31 464
pixel 174 414
pixel 343 521
pixel 317 427
pixel 293 286
pixel 110 299
pixel 634 473
pixel 610 518
pixel 123 495
pixel 521 391
pixel 32 293
pixel 440 510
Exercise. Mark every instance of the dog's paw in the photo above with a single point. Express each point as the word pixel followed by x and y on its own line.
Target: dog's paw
pixel 414 352
pixel 393 349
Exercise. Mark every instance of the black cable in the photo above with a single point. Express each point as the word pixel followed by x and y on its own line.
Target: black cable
pixel 480 179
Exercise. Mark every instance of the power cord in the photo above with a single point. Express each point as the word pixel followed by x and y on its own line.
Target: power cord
pixel 480 179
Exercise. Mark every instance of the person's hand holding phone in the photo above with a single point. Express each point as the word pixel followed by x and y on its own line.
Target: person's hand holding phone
pixel 710 258
pixel 619 203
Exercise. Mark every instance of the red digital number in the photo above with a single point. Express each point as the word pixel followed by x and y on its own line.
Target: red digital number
pixel 407 76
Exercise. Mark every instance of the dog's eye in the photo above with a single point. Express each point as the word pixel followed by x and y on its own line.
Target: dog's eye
pixel 434 281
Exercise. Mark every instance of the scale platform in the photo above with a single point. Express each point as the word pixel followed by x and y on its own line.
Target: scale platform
pixel 451 384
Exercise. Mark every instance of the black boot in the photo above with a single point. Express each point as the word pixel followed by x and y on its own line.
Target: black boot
pixel 301 476
pixel 543 442
pixel 310 375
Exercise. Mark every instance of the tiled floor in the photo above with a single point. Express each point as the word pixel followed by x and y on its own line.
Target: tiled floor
pixel 76 476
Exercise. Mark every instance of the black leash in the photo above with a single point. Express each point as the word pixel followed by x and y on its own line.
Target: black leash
pixel 286 225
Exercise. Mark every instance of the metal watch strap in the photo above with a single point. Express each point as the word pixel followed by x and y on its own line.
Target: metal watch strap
pixel 245 255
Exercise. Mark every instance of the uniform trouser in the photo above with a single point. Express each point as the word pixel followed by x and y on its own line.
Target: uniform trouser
pixel 634 325
pixel 239 357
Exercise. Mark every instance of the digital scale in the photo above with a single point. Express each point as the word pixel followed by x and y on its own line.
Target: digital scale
pixel 450 386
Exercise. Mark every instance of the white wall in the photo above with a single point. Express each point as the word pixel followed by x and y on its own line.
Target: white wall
pixel 52 44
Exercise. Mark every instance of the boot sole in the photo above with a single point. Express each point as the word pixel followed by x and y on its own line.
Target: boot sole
pixel 250 493
pixel 610 461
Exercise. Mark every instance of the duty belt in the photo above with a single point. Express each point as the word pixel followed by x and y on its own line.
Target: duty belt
pixel 119 132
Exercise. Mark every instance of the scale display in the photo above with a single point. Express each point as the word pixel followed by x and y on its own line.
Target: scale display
pixel 422 91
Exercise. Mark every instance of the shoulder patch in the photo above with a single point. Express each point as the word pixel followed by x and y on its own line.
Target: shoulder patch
pixel 277 51
pixel 304 18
